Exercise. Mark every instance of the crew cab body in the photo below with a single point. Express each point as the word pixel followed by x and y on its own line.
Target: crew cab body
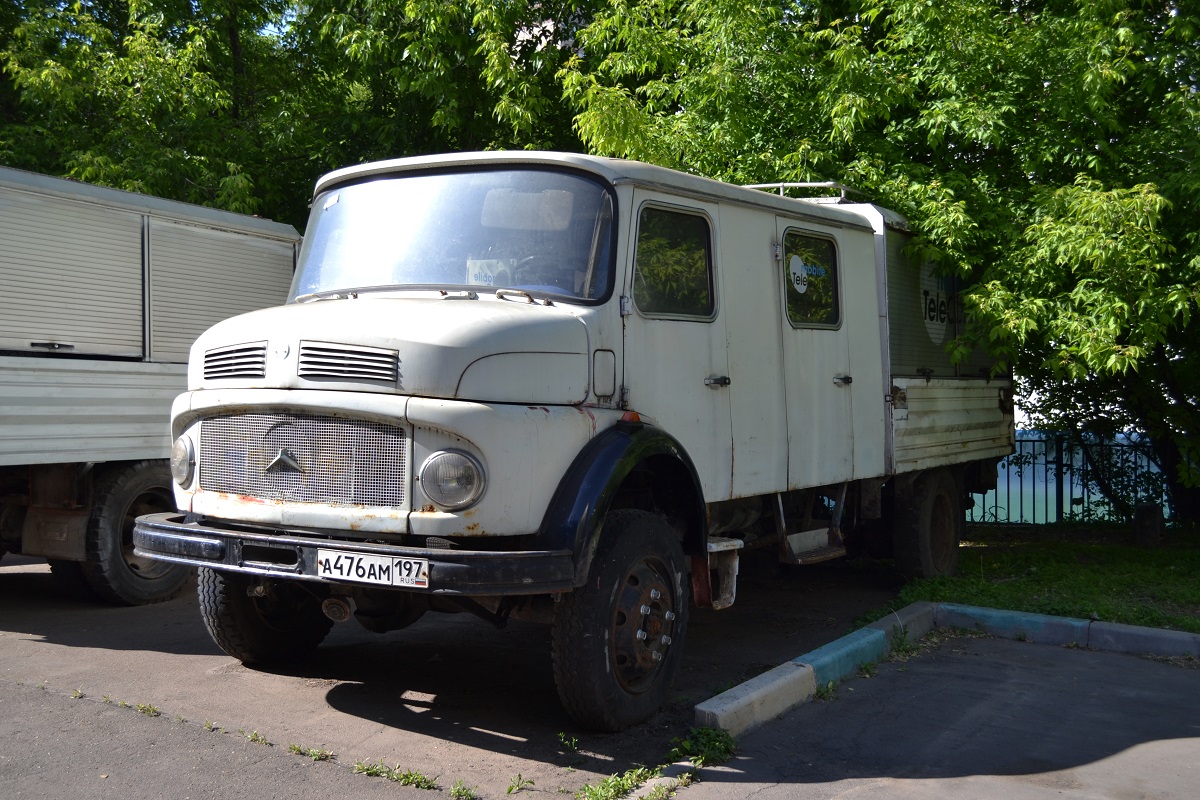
pixel 570 388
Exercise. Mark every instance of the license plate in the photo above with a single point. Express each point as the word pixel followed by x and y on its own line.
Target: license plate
pixel 382 570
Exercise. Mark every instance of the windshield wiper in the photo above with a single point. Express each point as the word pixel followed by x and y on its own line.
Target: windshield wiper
pixel 506 293
pixel 342 294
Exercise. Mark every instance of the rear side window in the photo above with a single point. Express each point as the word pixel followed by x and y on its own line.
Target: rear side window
pixel 672 268
pixel 810 272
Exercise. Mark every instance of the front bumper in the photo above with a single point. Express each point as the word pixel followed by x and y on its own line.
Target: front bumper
pixel 292 554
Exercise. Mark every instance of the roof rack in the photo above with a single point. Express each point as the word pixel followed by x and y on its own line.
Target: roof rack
pixel 842 196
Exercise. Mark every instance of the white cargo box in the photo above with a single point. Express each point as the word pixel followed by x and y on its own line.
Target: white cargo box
pixel 87 270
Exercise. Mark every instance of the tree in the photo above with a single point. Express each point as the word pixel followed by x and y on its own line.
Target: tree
pixel 1043 150
pixel 242 104
pixel 173 99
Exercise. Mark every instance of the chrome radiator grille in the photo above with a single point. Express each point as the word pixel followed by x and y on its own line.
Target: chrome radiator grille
pixel 304 459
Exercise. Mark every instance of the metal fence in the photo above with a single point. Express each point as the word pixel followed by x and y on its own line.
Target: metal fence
pixel 1061 478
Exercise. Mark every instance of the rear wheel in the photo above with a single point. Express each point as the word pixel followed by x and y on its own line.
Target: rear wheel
pixel 120 495
pixel 261 622
pixel 927 538
pixel 618 639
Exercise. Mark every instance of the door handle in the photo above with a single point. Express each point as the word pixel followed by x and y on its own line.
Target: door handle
pixel 717 381
pixel 843 380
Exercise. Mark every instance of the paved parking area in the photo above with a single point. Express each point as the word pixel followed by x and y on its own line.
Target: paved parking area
pixel 455 700
pixel 450 697
pixel 982 718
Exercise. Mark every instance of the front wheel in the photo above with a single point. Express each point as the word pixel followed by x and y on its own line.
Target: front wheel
pixel 618 639
pixel 268 622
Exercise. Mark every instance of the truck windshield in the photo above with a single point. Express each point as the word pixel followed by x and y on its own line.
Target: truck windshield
pixel 536 230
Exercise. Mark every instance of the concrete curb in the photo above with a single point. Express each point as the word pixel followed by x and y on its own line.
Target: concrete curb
pixel 765 697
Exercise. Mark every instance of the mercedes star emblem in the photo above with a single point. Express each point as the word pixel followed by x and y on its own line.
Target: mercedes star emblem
pixel 284 461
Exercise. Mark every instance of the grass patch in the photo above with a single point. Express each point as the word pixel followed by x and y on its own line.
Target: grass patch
pixel 315 753
pixel 518 784
pixel 616 786
pixel 827 691
pixel 1081 573
pixel 703 747
pixel 405 777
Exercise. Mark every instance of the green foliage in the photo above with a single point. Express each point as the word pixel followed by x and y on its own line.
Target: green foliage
pixel 616 786
pixel 826 691
pixel 703 747
pixel 518 784
pixel 314 753
pixel 404 777
pixel 1043 153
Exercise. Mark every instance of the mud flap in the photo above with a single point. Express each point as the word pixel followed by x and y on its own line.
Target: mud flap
pixel 717 568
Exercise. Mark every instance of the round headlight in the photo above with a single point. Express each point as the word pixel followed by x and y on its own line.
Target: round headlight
pixel 183 460
pixel 452 479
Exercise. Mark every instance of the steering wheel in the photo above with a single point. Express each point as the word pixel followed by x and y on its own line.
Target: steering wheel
pixel 544 273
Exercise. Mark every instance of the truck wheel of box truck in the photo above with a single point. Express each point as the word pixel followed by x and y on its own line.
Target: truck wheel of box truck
pixel 121 493
pixel 928 534
pixel 617 641
pixel 258 621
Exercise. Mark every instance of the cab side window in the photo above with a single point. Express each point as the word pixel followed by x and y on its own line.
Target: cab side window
pixel 672 268
pixel 810 272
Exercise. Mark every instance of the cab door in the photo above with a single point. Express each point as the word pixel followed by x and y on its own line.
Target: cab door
pixel 818 380
pixel 676 364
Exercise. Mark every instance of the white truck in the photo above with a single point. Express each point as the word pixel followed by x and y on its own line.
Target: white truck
pixel 568 389
pixel 102 293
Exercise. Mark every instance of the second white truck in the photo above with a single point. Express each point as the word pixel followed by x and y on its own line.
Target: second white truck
pixel 102 293
pixel 569 389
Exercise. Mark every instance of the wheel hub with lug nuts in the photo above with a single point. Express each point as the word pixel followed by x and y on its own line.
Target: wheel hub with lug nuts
pixel 642 626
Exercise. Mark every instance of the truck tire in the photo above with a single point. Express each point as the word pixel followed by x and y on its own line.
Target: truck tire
pixel 927 536
pixel 610 676
pixel 282 625
pixel 120 494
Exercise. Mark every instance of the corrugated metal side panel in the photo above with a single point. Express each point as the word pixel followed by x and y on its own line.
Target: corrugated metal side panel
pixel 56 410
pixel 911 344
pixel 950 421
pixel 200 276
pixel 70 272
pixel 917 342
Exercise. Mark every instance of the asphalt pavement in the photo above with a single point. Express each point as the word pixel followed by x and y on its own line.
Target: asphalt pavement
pixel 103 702
pixel 982 718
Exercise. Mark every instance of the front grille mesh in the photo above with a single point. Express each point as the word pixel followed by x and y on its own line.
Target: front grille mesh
pixel 236 361
pixel 304 459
